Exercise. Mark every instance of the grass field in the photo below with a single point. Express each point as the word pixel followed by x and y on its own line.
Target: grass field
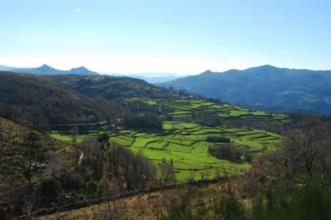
pixel 185 144
pixel 187 106
pixel 179 108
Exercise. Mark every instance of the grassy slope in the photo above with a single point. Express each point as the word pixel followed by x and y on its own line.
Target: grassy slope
pixel 11 132
pixel 141 207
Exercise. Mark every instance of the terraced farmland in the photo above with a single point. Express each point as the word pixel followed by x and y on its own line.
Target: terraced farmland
pixel 186 145
pixel 185 108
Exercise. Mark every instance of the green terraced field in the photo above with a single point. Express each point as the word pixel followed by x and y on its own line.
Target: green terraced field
pixel 186 107
pixel 67 137
pixel 186 145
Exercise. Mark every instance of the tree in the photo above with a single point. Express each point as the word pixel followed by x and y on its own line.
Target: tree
pixel 144 120
pixel 32 164
pixel 135 170
pixel 74 133
pixel 21 164
pixel 167 172
pixel 307 148
pixel 227 151
pixel 103 139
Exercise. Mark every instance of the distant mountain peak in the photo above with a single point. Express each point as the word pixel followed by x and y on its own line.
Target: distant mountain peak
pixel 264 67
pixel 45 66
pixel 207 72
pixel 268 66
pixel 82 70
pixel 48 70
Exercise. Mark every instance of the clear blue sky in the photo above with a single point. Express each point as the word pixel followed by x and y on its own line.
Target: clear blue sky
pixel 177 36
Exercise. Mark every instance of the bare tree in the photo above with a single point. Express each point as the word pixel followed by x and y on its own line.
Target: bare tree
pixel 167 172
pixel 307 147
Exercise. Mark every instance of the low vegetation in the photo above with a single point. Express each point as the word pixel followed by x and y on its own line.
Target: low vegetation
pixel 231 153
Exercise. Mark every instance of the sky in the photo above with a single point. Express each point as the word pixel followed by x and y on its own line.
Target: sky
pixel 165 36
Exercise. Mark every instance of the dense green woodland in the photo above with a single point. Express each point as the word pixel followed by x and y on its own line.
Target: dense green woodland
pixel 71 138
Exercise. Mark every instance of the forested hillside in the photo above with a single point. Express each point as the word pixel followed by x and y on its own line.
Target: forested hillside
pixel 39 102
pixel 266 88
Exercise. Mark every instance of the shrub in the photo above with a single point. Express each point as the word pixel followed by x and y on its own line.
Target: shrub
pixel 308 202
pixel 230 208
pixel 226 152
pixel 144 120
pixel 92 189
pixel 218 139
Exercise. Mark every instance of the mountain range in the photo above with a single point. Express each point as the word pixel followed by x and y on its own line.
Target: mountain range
pixel 48 70
pixel 83 71
pixel 264 87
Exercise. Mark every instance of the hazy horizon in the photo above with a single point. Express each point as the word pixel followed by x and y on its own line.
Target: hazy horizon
pixel 152 74
pixel 176 37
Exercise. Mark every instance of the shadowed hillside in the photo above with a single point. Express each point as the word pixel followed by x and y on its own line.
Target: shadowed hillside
pixel 51 101
pixel 39 102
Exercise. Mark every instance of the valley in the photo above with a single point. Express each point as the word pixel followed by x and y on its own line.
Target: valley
pixel 186 144
pixel 165 110
pixel 81 141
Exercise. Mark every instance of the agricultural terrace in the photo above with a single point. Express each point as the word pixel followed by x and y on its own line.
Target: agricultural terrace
pixel 183 108
pixel 186 145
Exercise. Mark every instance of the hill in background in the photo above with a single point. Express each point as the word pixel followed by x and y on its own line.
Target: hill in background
pixel 48 70
pixel 264 87
pixel 50 101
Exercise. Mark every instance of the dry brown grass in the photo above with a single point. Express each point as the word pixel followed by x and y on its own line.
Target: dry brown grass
pixel 141 207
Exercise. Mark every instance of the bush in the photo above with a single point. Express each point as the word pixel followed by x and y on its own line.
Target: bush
pixel 218 139
pixel 308 202
pixel 92 189
pixel 144 120
pixel 230 208
pixel 229 152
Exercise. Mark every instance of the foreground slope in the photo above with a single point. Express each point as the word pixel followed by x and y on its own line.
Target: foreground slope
pixel 28 160
pixel 265 87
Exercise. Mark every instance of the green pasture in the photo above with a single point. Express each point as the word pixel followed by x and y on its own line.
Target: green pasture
pixel 185 144
pixel 187 107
